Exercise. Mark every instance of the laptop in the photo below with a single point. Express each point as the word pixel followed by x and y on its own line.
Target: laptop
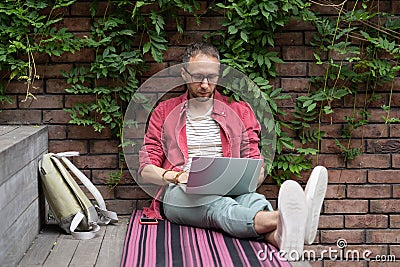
pixel 222 176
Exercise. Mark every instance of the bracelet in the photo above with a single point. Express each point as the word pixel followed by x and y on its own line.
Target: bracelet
pixel 163 175
pixel 177 176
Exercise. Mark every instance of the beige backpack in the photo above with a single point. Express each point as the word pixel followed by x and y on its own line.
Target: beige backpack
pixel 75 213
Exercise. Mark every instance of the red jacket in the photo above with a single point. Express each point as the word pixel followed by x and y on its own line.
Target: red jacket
pixel 165 143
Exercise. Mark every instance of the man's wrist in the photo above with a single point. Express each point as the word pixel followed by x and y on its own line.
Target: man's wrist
pixel 165 175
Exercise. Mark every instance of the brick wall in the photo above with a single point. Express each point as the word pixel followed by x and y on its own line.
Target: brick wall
pixel 363 200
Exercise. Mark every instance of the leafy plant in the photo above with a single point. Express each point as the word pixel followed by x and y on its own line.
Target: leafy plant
pixel 26 32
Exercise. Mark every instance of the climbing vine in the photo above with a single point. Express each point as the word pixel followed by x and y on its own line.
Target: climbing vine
pixel 358 48
pixel 27 29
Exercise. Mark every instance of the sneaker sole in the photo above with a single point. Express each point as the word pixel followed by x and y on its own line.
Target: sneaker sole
pixel 315 193
pixel 293 216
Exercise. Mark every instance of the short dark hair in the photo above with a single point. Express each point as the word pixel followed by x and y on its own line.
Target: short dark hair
pixel 204 48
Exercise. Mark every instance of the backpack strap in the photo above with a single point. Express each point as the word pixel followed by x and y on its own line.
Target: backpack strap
pixel 105 215
pixel 83 235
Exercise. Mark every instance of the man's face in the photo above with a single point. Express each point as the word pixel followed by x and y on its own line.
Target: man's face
pixel 201 76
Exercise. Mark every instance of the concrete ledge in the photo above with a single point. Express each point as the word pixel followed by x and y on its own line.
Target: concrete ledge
pixel 21 147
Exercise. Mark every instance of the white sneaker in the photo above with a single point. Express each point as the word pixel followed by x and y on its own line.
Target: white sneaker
pixel 291 221
pixel 315 193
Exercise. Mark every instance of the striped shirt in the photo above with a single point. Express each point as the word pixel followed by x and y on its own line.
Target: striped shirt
pixel 203 137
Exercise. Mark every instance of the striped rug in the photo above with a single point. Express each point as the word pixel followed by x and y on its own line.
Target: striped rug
pixel 168 244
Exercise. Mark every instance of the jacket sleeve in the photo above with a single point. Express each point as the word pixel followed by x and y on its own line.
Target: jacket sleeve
pixel 152 150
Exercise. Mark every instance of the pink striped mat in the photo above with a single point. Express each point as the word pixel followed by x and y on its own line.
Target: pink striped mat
pixel 168 244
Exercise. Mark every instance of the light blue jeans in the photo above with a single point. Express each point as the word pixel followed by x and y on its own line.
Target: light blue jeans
pixel 233 215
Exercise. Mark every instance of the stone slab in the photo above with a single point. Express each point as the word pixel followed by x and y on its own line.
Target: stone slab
pixel 19 147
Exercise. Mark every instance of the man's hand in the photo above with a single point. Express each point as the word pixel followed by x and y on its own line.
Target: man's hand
pixel 183 178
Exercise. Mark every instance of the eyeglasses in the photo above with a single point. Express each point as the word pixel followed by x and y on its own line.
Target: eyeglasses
pixel 198 78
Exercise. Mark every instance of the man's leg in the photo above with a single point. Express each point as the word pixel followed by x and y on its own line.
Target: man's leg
pixel 222 213
pixel 266 220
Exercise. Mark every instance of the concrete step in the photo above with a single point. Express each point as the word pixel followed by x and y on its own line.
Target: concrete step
pixel 21 147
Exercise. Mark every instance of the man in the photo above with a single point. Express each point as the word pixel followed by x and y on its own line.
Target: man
pixel 203 122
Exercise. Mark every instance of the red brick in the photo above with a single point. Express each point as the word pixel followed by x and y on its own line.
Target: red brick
pixel 321 9
pixel 338 116
pixel 383 146
pixel 174 54
pixel 207 24
pixel 351 236
pixel 96 162
pixel 132 161
pixel 316 69
pixel 57 131
pixel 83 55
pixel 368 191
pixel 366 221
pixel 297 53
pixel 394 250
pixel 332 160
pixel 383 236
pixel 20 87
pixel 331 130
pixel 309 37
pixel 41 101
pixel 329 145
pixel 76 24
pixel 122 206
pixel 102 176
pixel 7 105
pixel 367 251
pixel 289 102
pixel 331 222
pixel 291 69
pixel 384 261
pixel 53 70
pixel 371 131
pixel 154 68
pixel 87 132
pixel 385 206
pixel 270 191
pixel 336 263
pixel 394 221
pixel 56 116
pixel 384 176
pixel 56 146
pixel 131 192
pixel 295 84
pixel 359 102
pixel 21 116
pixel 376 115
pixel 83 9
pixel 103 146
pixel 71 100
pixel 298 25
pixel 336 192
pixel 396 191
pixel 56 86
pixel 288 38
pixel 316 263
pixel 396 161
pixel 135 132
pixel 345 206
pixel 396 7
pixel 370 161
pixel 105 191
pixel 201 11
pixel 347 176
pixel 184 39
